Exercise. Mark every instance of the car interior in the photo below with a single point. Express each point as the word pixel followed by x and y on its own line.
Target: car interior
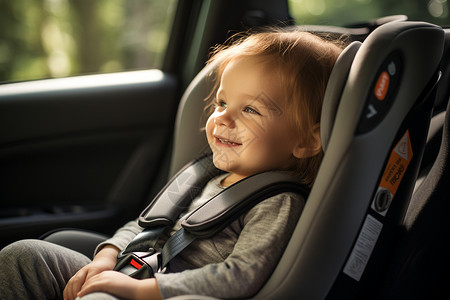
pixel 89 152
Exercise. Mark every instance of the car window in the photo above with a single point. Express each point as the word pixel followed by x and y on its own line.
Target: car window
pixel 349 12
pixel 58 38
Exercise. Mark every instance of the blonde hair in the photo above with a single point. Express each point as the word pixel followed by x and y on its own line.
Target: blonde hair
pixel 304 62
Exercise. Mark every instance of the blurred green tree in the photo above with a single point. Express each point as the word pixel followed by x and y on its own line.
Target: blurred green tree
pixel 56 38
pixel 348 12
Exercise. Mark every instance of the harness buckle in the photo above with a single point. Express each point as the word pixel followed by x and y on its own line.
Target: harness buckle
pixel 139 265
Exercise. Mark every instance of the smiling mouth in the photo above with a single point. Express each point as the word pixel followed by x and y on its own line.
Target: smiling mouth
pixel 227 142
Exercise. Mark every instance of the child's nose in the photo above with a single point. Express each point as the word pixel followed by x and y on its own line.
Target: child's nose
pixel 225 118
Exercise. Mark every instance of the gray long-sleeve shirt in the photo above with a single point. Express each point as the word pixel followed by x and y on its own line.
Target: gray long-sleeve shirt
pixel 234 263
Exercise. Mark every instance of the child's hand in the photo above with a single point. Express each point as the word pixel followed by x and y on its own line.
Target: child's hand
pixel 121 285
pixel 111 282
pixel 105 260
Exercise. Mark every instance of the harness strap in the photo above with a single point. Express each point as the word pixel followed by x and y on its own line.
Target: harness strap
pixel 178 193
pixel 226 206
pixel 209 219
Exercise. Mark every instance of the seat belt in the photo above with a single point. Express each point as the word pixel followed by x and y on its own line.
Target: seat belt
pixel 175 244
pixel 141 260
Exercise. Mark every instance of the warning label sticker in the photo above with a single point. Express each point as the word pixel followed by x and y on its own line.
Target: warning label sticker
pixel 363 248
pixel 393 174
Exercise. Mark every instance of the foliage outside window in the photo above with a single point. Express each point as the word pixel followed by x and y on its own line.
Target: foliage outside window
pixel 57 38
pixel 348 12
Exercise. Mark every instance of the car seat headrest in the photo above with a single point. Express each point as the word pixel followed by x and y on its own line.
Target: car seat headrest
pixel 334 89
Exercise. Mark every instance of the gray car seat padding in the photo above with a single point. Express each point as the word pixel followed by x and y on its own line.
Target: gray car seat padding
pixel 333 93
pixel 189 139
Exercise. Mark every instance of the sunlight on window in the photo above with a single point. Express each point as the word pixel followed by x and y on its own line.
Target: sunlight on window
pixel 83 82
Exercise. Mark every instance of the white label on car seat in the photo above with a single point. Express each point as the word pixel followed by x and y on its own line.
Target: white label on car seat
pixel 363 248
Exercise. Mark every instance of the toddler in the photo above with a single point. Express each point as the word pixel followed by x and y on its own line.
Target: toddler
pixel 264 115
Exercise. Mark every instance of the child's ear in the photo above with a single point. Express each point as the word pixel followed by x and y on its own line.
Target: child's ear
pixel 314 147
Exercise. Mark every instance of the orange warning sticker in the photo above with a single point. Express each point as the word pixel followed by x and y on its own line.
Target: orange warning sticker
pixel 382 86
pixel 393 174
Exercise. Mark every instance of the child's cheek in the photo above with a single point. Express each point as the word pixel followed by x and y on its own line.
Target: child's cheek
pixel 209 129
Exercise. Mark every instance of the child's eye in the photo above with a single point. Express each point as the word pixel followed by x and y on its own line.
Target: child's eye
pixel 251 110
pixel 221 103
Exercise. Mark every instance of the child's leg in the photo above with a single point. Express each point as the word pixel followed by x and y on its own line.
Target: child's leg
pixel 37 269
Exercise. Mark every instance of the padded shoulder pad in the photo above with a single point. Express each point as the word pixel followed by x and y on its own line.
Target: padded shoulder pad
pixel 178 193
pixel 222 209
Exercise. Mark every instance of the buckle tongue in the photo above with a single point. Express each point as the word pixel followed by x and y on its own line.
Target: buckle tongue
pixel 139 265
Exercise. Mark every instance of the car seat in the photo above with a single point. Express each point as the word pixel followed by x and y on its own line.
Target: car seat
pixel 378 103
pixel 349 224
pixel 318 255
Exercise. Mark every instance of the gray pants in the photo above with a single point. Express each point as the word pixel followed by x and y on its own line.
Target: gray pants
pixel 34 269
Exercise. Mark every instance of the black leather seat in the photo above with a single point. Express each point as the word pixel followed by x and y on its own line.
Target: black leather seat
pixel 79 240
pixel 419 268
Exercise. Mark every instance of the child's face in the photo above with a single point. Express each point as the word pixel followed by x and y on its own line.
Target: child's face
pixel 248 132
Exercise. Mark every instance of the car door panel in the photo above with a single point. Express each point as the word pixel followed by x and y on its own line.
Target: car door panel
pixel 83 151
